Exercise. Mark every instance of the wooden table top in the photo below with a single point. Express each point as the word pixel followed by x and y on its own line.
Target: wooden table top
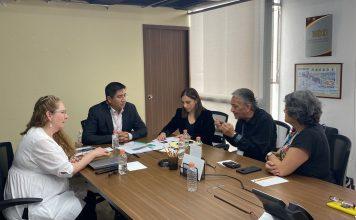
pixel 159 193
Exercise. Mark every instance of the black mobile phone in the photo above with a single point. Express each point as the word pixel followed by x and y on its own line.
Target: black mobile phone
pixel 231 164
pixel 246 170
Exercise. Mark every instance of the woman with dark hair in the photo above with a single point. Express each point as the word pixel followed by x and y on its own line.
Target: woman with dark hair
pixel 41 167
pixel 192 117
pixel 306 150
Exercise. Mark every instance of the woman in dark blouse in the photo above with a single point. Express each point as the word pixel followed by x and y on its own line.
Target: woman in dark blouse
pixel 306 151
pixel 193 117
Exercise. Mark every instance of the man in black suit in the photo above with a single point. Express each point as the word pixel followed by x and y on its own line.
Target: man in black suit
pixel 114 115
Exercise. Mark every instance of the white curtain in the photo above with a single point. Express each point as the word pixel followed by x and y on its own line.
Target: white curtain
pixel 225 52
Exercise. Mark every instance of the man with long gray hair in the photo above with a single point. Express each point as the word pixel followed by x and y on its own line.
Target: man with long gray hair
pixel 255 131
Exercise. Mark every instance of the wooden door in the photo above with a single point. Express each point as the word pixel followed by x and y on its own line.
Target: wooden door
pixel 166 63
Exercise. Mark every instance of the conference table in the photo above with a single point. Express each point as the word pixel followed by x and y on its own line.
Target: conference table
pixel 160 193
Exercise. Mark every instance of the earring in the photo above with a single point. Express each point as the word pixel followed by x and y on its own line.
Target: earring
pixel 50 125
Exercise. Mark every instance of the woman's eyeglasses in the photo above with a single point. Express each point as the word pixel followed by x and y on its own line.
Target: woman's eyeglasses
pixel 60 111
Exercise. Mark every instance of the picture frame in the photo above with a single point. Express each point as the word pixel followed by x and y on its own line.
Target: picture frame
pixel 323 79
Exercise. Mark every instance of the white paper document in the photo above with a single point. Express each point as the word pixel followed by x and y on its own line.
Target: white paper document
pixel 267 216
pixel 132 166
pixel 199 163
pixel 269 180
pixel 134 147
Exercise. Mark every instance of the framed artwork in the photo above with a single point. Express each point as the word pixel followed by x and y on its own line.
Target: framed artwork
pixel 318 36
pixel 323 79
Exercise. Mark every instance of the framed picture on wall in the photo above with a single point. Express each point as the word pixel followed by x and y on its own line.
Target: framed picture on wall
pixel 323 79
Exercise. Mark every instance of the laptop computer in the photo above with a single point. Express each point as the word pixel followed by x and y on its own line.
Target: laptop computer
pixel 104 163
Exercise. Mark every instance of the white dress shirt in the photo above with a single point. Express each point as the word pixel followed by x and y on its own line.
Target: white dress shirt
pixel 117 120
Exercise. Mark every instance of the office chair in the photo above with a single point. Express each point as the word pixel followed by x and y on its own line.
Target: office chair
pixel 90 194
pixel 218 139
pixel 340 147
pixel 7 156
pixel 283 130
pixel 83 123
pixel 329 131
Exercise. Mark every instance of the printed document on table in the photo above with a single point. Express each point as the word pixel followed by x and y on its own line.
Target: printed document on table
pixel 132 166
pixel 134 147
pixel 269 180
pixel 161 145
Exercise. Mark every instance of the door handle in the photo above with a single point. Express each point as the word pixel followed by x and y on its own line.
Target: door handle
pixel 150 97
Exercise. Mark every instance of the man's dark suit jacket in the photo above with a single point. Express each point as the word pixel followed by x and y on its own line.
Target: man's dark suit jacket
pixel 98 128
pixel 203 127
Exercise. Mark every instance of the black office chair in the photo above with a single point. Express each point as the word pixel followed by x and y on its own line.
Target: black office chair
pixel 7 156
pixel 283 130
pixel 329 132
pixel 83 123
pixel 340 147
pixel 90 194
pixel 218 139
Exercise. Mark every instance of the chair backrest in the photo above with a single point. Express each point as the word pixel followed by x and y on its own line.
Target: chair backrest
pixel 6 158
pixel 83 123
pixel 283 130
pixel 340 147
pixel 218 136
pixel 329 131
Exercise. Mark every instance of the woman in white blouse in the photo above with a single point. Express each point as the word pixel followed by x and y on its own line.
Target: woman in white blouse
pixel 41 167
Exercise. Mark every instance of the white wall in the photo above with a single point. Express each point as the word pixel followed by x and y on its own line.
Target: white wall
pixel 336 113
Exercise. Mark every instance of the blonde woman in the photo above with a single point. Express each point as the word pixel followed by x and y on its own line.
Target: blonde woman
pixel 41 167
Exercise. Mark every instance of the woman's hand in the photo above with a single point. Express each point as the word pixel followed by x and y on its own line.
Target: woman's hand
pixel 272 168
pixel 273 158
pixel 161 136
pixel 99 152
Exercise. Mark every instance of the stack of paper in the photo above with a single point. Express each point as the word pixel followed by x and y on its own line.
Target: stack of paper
pixel 132 166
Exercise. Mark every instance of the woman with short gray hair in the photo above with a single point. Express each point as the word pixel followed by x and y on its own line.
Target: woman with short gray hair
pixel 306 150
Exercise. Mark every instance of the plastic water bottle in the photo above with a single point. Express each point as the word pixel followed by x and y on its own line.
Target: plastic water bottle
pixel 199 142
pixel 181 149
pixel 122 162
pixel 114 141
pixel 192 178
pixel 186 138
